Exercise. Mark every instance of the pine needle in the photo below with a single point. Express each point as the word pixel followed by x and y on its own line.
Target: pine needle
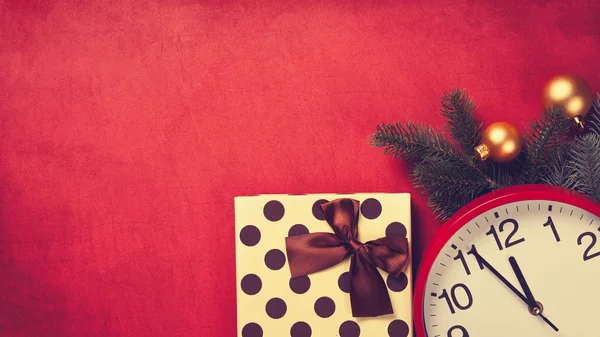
pixel 448 188
pixel 462 122
pixel 592 120
pixel 585 164
pixel 541 143
pixel 414 142
pixel 502 173
pixel 559 172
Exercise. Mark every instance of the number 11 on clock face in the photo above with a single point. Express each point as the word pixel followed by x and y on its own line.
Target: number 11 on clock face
pixel 526 268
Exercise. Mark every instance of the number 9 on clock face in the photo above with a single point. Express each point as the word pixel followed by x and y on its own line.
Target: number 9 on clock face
pixel 520 262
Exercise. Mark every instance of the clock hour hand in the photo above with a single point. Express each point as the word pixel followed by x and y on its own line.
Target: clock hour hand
pixel 486 264
pixel 533 305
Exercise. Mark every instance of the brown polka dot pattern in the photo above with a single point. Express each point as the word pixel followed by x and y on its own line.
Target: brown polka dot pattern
pixel 273 210
pixel 263 271
pixel 276 308
pixel 300 284
pixel 251 284
pixel 344 282
pixel 397 284
pixel 349 329
pixel 275 259
pixel 316 209
pixel 398 328
pixel 297 230
pixel 324 307
pixel 250 235
pixel 252 330
pixel 300 329
pixel 395 229
pixel 371 208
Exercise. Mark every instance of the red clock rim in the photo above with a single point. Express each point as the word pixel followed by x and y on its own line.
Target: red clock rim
pixel 476 207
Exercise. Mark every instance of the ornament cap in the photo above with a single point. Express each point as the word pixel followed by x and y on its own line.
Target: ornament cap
pixel 482 151
pixel 579 122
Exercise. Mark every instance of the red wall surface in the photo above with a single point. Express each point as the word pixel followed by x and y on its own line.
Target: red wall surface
pixel 128 127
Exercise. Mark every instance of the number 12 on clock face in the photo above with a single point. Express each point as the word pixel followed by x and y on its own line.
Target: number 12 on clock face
pixel 517 264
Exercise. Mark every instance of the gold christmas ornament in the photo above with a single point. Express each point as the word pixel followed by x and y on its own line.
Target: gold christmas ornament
pixel 501 142
pixel 571 93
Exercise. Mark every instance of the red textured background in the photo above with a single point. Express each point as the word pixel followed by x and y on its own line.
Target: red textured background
pixel 127 128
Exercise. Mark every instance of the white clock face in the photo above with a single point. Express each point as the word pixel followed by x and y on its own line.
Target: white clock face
pixel 555 246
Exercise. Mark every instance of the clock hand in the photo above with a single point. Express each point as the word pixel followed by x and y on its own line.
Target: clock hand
pixel 534 306
pixel 530 299
pixel 486 264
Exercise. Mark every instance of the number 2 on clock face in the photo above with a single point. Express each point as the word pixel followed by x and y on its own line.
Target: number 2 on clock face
pixel 543 250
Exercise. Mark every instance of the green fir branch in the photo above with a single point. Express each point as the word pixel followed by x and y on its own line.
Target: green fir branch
pixel 592 120
pixel 446 170
pixel 448 188
pixel 502 173
pixel 449 178
pixel 443 205
pixel 413 142
pixel 417 143
pixel 463 124
pixel 585 164
pixel 541 143
pixel 466 129
pixel 431 173
pixel 559 172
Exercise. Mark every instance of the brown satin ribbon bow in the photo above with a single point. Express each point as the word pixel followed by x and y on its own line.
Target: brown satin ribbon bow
pixel 313 252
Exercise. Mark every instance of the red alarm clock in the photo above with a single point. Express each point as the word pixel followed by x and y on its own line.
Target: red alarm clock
pixel 522 261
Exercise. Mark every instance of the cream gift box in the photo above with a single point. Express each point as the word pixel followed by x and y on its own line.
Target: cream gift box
pixel 270 303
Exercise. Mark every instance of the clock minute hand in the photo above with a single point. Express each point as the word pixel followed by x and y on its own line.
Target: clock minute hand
pixel 530 299
pixel 486 264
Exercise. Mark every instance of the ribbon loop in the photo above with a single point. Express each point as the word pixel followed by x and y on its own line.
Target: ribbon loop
pixel 313 252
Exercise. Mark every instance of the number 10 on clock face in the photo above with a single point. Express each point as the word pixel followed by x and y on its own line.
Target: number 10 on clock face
pixel 525 263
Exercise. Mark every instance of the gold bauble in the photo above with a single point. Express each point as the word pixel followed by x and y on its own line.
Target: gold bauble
pixel 571 93
pixel 501 142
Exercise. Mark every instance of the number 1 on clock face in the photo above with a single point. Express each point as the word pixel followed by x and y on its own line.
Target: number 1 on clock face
pixel 474 289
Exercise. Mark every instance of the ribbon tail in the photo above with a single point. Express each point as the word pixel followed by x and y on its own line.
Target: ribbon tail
pixel 368 293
